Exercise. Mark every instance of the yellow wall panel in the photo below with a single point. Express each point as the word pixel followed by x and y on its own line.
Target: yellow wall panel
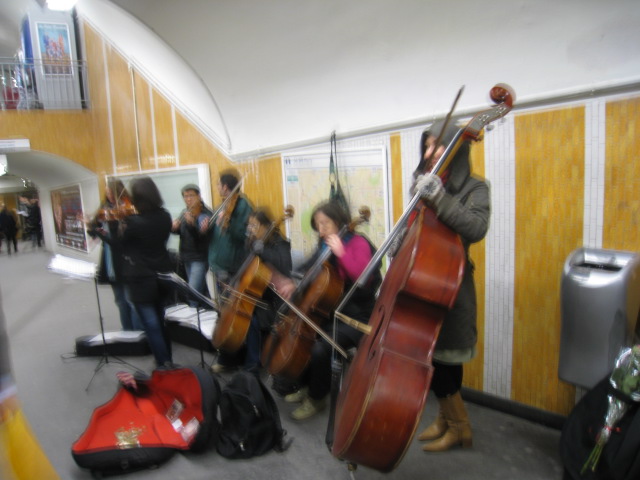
pixel 64 133
pixel 144 123
pixel 100 126
pixel 396 176
pixel 621 229
pixel 163 121
pixel 549 225
pixel 122 113
pixel 194 149
pixel 262 184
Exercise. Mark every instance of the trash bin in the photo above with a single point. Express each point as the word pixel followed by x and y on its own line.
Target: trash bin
pixel 600 296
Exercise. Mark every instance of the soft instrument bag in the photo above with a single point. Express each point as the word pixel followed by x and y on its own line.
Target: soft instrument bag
pixel 173 410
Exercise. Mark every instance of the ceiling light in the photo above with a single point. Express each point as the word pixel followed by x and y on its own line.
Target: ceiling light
pixel 61 4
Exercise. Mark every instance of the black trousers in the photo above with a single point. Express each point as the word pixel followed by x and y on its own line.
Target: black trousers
pixel 317 376
pixel 447 379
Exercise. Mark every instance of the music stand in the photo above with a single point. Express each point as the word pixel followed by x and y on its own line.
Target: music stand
pixel 86 271
pixel 201 301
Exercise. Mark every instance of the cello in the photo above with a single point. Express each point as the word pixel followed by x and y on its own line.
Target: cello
pixel 385 388
pixel 287 350
pixel 248 286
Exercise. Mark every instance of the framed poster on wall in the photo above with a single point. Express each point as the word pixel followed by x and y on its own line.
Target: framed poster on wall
pixel 68 216
pixel 55 48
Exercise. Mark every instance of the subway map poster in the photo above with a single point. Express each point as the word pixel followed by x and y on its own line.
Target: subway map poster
pixel 363 178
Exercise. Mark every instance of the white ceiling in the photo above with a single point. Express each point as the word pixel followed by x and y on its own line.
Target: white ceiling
pixel 265 75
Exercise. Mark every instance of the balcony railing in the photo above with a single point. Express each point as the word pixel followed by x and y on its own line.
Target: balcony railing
pixel 35 84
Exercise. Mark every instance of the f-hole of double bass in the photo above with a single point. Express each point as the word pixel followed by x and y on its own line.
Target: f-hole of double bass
pixel 376 334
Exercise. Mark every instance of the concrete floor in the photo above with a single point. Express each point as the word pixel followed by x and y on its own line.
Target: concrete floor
pixel 46 312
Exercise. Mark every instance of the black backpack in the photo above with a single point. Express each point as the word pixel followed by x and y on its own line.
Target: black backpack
pixel 620 459
pixel 250 420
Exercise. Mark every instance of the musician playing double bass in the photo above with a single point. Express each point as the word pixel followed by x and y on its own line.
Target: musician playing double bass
pixel 461 202
pixel 351 254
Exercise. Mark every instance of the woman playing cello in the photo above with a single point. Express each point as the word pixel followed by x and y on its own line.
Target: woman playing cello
pixel 274 251
pixel 351 254
pixel 462 203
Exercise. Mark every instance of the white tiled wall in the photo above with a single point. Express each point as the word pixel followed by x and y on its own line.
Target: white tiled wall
pixel 594 162
pixel 499 147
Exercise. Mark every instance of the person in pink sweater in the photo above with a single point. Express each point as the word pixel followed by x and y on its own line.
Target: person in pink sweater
pixel 350 254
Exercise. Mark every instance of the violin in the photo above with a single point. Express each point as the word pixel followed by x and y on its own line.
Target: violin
pixel 287 350
pixel 117 212
pixel 248 287
pixel 385 388
pixel 194 211
pixel 226 208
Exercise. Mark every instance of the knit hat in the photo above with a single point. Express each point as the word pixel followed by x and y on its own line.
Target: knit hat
pixel 191 186
pixel 449 132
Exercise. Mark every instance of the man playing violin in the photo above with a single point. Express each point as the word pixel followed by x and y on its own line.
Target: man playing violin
pixel 461 202
pixel 350 255
pixel 227 230
pixel 194 245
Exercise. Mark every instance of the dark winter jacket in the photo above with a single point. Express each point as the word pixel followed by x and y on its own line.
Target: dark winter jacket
pixel 227 246
pixel 194 245
pixel 144 247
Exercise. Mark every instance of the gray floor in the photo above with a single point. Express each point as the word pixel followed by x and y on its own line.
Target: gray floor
pixel 45 313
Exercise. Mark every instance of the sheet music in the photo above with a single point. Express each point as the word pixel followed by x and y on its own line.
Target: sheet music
pixel 179 281
pixel 119 336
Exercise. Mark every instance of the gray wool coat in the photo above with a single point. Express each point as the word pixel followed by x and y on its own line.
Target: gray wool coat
pixel 465 208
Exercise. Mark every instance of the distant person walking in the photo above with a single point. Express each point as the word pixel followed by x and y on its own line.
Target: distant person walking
pixel 9 228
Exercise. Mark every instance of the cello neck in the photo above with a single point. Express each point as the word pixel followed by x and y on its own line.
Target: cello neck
pixel 311 274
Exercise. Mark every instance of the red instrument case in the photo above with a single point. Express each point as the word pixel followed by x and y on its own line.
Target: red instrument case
pixel 173 410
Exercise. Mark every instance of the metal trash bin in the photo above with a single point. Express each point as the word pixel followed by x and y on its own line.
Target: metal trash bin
pixel 600 296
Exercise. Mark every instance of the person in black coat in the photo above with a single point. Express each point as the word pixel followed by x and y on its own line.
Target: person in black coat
pixel 104 225
pixel 194 244
pixel 275 253
pixel 143 237
pixel 9 228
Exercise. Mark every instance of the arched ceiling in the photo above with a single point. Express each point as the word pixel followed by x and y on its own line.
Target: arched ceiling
pixel 264 76
pixel 43 169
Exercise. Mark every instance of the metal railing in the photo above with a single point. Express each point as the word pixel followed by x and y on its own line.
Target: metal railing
pixel 35 84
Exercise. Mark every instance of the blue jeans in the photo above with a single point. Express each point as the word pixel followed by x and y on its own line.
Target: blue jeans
pixel 128 316
pixel 196 274
pixel 152 318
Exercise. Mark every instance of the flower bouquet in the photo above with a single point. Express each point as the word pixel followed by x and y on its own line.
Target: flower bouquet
pixel 625 380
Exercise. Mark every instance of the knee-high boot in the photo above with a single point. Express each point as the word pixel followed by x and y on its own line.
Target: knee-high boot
pixel 438 427
pixel 458 427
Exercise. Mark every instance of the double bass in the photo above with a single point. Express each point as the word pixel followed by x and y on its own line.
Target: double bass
pixel 287 350
pixel 246 290
pixel 385 388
